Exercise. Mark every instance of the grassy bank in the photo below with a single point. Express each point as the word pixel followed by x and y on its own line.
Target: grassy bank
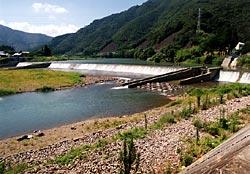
pixel 13 81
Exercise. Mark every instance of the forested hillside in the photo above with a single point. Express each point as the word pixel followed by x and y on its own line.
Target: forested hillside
pixel 21 40
pixel 161 28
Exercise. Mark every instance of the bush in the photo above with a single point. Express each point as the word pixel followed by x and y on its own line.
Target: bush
pixel 186 160
pixel 129 157
pixel 164 119
pixel 211 142
pixel 4 92
pixel 223 123
pixel 2 167
pixel 198 123
pixel 213 129
pixel 186 113
pixel 244 61
pixel 233 123
pixel 45 89
pixel 134 133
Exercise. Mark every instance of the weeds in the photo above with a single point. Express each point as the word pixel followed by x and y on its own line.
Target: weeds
pixel 19 168
pixel 79 153
pixel 45 89
pixel 186 113
pixel 163 120
pixel 2 167
pixel 134 133
pixel 129 158
pixel 4 92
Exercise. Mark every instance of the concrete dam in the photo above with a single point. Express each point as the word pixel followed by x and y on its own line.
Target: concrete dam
pixel 150 72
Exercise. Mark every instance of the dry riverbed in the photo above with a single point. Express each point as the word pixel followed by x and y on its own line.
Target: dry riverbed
pixel 157 148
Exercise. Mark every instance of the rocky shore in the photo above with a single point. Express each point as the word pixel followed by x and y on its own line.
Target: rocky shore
pixel 156 149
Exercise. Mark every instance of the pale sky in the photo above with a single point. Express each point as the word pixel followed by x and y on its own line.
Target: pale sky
pixel 57 17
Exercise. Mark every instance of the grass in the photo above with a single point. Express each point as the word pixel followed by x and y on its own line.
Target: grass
pixel 12 81
pixel 244 61
pixel 215 133
pixel 79 152
pixel 19 168
pixel 163 120
pixel 133 133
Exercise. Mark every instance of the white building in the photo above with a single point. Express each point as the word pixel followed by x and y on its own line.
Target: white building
pixel 239 46
pixel 3 54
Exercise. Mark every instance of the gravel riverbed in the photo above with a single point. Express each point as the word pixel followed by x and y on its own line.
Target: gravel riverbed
pixel 155 149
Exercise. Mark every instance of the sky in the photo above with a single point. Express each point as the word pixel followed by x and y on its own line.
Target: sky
pixel 57 17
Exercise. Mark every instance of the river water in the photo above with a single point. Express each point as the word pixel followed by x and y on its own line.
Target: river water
pixel 24 113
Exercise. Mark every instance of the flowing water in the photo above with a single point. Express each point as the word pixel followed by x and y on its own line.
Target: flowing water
pixel 245 78
pixel 234 76
pixel 121 69
pixel 228 76
pixel 27 112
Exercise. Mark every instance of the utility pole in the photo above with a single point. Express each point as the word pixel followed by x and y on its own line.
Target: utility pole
pixel 199 22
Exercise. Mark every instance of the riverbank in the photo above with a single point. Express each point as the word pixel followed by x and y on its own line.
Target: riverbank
pixel 19 81
pixel 157 147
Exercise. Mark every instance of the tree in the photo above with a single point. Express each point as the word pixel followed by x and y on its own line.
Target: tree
pixel 46 51
pixel 170 52
pixel 7 49
pixel 149 52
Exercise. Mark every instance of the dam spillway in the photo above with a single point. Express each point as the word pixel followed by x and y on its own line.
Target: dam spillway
pixel 117 68
pixel 139 71
pixel 234 76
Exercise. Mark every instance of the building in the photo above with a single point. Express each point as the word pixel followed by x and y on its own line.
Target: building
pixel 3 54
pixel 239 46
pixel 21 54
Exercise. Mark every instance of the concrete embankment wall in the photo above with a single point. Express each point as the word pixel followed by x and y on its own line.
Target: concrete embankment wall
pixel 197 79
pixel 182 74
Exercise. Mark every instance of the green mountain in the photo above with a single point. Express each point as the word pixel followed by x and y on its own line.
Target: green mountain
pixel 22 40
pixel 159 23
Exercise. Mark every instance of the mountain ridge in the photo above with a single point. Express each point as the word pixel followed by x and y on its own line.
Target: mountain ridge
pixel 149 24
pixel 21 40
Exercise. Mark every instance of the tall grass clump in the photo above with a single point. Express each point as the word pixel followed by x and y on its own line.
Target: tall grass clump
pixel 129 157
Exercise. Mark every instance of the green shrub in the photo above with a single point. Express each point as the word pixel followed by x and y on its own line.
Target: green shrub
pixel 186 113
pixel 176 102
pixel 134 133
pixel 69 157
pixel 198 123
pixel 45 89
pixel 164 119
pixel 186 160
pixel 211 143
pixel 244 61
pixel 101 143
pixel 4 92
pixel 19 168
pixel 233 123
pixel 2 167
pixel 129 157
pixel 223 123
pixel 213 129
